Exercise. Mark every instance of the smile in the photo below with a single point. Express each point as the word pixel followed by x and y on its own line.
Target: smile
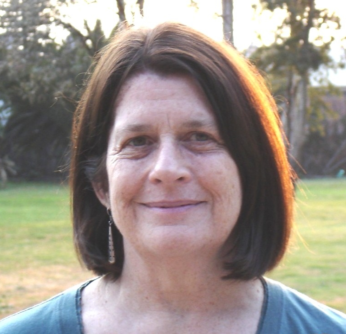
pixel 173 205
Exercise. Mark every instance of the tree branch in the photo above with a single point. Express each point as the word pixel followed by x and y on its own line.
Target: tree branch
pixel 306 31
pixel 76 32
pixel 140 3
pixel 121 10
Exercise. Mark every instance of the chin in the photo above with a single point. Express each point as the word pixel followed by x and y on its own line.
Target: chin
pixel 176 241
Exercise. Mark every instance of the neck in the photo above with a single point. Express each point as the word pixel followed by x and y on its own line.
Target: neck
pixel 175 285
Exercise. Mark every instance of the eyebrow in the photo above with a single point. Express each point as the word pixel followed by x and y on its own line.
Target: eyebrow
pixel 135 128
pixel 195 124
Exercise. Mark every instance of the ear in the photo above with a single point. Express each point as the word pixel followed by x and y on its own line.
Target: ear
pixel 101 194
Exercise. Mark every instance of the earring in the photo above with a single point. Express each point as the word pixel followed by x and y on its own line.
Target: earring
pixel 111 253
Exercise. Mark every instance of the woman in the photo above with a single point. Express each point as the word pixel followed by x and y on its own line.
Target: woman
pixel 182 198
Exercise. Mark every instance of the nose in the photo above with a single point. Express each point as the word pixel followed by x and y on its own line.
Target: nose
pixel 170 166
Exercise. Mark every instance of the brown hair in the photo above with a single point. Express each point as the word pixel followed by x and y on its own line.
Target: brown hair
pixel 248 123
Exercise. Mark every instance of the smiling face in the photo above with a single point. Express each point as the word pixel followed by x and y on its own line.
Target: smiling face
pixel 173 186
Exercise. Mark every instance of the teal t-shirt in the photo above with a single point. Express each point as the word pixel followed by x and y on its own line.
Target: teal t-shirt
pixel 57 315
pixel 285 311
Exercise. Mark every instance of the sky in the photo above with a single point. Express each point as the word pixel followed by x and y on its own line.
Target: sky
pixel 207 19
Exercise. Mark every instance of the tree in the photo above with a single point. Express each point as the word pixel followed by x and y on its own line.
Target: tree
pixel 6 166
pixel 227 16
pixel 37 75
pixel 324 152
pixel 291 59
pixel 41 80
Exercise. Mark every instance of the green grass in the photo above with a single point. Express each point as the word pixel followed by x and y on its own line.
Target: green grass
pixel 316 261
pixel 35 225
pixel 37 257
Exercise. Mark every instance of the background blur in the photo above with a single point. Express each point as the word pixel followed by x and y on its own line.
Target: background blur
pixel 46 51
pixel 47 47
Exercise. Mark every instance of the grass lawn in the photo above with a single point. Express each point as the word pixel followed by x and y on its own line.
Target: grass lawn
pixel 37 259
pixel 316 261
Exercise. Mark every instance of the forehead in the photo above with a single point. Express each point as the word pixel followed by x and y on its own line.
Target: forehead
pixel 155 86
pixel 151 94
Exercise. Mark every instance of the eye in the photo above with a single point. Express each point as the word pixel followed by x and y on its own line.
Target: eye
pixel 200 136
pixel 139 141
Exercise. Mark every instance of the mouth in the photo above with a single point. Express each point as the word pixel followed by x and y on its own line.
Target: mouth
pixel 171 205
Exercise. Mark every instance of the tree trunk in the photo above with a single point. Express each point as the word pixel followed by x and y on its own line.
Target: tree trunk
pixel 299 101
pixel 297 118
pixel 285 116
pixel 227 15
pixel 121 11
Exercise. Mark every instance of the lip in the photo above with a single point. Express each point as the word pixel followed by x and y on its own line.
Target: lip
pixel 172 207
pixel 172 204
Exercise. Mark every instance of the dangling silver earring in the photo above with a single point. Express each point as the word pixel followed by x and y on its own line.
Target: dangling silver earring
pixel 111 253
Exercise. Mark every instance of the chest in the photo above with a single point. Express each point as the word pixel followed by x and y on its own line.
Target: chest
pixel 161 323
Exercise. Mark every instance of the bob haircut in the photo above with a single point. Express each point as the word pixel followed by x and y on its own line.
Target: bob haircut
pixel 248 124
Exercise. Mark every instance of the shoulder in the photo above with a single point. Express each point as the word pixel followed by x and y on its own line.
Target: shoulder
pixel 60 314
pixel 289 311
pixel 41 318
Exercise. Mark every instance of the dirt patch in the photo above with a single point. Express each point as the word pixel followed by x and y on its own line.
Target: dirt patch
pixel 28 287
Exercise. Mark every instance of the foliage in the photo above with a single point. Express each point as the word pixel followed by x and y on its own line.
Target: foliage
pixel 300 48
pixel 324 152
pixel 319 109
pixel 40 82
pixel 295 46
pixel 42 78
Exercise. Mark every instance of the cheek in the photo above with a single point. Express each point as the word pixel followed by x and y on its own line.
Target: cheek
pixel 125 182
pixel 222 176
pixel 229 190
pixel 223 183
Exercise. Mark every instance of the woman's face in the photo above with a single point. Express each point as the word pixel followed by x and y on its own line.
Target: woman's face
pixel 173 187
